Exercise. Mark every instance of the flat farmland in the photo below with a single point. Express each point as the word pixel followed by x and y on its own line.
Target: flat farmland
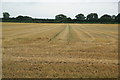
pixel 42 50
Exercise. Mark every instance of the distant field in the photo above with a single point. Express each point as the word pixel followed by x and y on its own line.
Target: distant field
pixel 39 50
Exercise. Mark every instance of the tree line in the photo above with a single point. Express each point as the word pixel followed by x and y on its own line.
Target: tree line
pixel 61 18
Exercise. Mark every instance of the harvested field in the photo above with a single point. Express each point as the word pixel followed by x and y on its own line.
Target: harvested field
pixel 37 50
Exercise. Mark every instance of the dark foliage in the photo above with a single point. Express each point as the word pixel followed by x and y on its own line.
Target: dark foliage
pixel 61 18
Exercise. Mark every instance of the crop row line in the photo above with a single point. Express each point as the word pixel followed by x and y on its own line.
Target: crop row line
pixel 69 34
pixel 56 34
pixel 87 33
pixel 102 33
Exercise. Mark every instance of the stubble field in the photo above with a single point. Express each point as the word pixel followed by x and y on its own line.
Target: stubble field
pixel 36 50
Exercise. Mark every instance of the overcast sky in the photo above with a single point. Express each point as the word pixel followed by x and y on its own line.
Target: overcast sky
pixel 50 8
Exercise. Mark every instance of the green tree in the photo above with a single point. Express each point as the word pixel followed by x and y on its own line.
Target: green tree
pixel 20 17
pixel 6 15
pixel 118 18
pixel 106 18
pixel 113 16
pixel 80 17
pixel 67 20
pixel 24 18
pixel 92 16
pixel 60 18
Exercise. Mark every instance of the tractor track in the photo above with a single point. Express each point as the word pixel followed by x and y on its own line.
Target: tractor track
pixel 57 34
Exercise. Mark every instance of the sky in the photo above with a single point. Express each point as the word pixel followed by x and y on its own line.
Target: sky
pixel 50 8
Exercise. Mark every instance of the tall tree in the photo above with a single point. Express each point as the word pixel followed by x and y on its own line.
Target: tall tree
pixel 20 17
pixel 113 16
pixel 80 17
pixel 24 18
pixel 106 18
pixel 61 18
pixel 6 15
pixel 118 18
pixel 92 16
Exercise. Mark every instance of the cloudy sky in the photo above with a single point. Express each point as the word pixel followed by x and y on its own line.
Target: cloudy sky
pixel 50 8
